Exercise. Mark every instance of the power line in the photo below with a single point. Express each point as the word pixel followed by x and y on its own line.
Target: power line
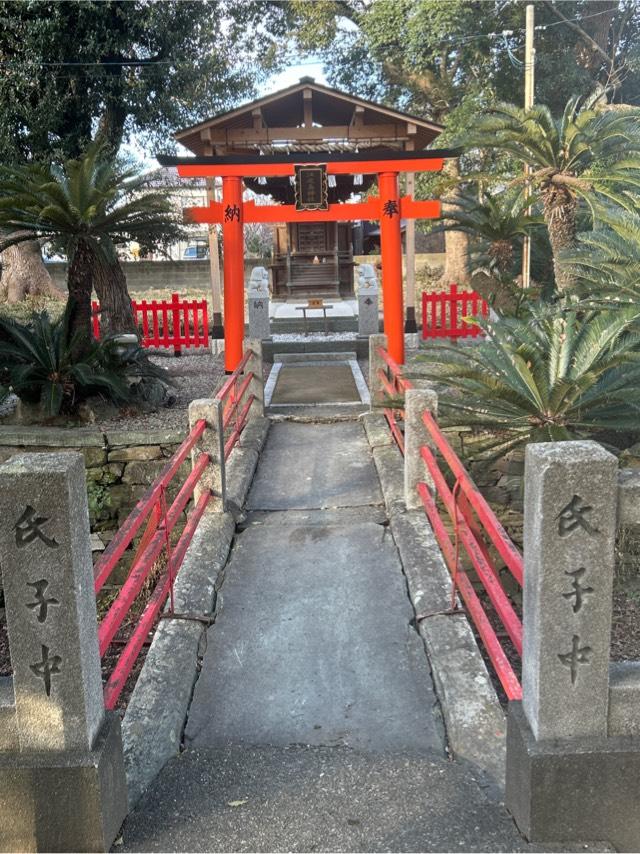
pixel 504 33
pixel 142 63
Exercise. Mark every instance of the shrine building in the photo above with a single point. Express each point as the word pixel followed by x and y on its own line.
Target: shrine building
pixel 317 153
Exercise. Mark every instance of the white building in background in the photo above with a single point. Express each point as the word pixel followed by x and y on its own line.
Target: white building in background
pixel 193 193
pixel 185 193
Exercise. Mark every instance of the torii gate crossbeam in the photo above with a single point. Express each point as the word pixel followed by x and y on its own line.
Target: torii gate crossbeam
pixel 389 208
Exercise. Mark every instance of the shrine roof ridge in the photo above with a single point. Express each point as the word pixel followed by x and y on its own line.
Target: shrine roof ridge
pixel 308 83
pixel 308 157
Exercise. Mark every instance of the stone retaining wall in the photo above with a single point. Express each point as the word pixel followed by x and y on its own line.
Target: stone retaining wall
pixel 120 464
pixel 166 275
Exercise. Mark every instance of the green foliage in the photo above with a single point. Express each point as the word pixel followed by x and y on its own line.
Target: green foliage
pixel 125 67
pixel 497 219
pixel 429 55
pixel 99 500
pixel 88 198
pixel 549 376
pixel 606 261
pixel 590 155
pixel 38 363
pixel 588 151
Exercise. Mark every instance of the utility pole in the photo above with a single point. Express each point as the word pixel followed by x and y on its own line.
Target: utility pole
pixel 217 329
pixel 529 79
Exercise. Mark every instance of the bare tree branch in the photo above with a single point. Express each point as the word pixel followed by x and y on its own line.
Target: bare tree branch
pixel 578 29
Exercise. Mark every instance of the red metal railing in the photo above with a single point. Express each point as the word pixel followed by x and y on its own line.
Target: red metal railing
pixel 443 313
pixel 160 522
pixel 237 399
pixel 476 529
pixel 178 323
pixel 394 386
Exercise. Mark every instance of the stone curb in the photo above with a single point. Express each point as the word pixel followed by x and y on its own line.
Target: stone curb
pixel 157 710
pixel 243 462
pixel 52 437
pixel 474 720
pixel 154 721
pixel 390 466
pixel 377 430
pixel 86 437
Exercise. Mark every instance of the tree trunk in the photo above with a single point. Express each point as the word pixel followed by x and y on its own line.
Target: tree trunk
pixel 501 253
pixel 456 265
pixel 560 217
pixel 116 311
pixel 24 274
pixel 80 283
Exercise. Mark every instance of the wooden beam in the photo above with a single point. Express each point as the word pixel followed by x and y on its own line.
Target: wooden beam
pixel 357 119
pixel 345 167
pixel 342 212
pixel 308 133
pixel 307 96
pixel 258 119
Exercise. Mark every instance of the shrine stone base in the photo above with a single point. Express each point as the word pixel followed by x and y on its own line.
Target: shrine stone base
pixel 581 788
pixel 70 801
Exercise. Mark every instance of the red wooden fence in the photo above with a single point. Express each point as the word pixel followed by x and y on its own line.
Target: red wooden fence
pixel 156 517
pixel 476 530
pixel 178 323
pixel 443 313
pixel 161 518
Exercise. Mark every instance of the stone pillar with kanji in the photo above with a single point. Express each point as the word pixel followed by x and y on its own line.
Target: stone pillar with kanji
pixel 368 296
pixel 569 777
pixel 62 782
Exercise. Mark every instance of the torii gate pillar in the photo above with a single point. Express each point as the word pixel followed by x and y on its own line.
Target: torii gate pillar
pixel 233 260
pixel 391 252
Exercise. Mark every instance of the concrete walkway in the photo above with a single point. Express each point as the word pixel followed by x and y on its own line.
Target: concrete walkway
pixel 314 725
pixel 314 644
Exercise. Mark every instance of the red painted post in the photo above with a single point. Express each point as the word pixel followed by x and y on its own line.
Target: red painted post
pixel 233 259
pixel 205 323
pixel 391 251
pixel 144 314
pixel 95 310
pixel 175 306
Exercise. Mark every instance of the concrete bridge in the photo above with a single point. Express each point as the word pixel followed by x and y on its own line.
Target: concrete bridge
pixel 317 720
pixel 313 684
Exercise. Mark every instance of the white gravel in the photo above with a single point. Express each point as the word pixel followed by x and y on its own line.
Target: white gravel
pixel 315 336
pixel 198 374
pixel 7 406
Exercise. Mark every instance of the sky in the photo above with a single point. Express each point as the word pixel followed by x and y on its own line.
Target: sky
pixel 291 75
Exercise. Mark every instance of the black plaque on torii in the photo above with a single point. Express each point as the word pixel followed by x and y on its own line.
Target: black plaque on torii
pixel 311 188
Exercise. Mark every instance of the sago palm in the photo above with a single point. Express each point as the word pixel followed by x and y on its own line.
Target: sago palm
pixel 606 261
pixel 498 219
pixel 589 153
pixel 38 364
pixel 88 205
pixel 551 376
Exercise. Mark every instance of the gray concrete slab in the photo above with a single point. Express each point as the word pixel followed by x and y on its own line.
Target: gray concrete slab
pixel 285 358
pixel 315 466
pixel 319 799
pixel 327 413
pixel 313 644
pixel 331 382
pixel 340 516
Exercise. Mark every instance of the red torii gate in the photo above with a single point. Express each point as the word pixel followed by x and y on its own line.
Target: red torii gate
pixel 388 207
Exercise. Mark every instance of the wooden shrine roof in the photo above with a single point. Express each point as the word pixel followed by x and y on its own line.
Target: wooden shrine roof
pixel 308 117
